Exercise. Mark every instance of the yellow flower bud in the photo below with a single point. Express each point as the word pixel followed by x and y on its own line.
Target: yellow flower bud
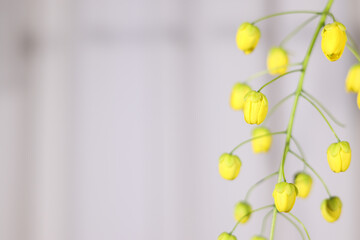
pixel 277 61
pixel 353 79
pixel 255 107
pixel 284 196
pixel 261 144
pixel 229 166
pixel 242 212
pixel 303 183
pixel 238 94
pixel 226 236
pixel 258 238
pixel 331 209
pixel 333 40
pixel 247 37
pixel 339 156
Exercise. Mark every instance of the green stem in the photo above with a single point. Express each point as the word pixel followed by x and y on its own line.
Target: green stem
pixel 353 51
pixel 273 80
pixel 295 225
pixel 263 225
pixel 352 42
pixel 264 72
pixel 307 233
pixel 273 222
pixel 323 108
pixel 313 104
pixel 284 13
pixel 256 210
pixel 296 30
pixel 249 140
pixel 274 108
pixel 257 183
pixel 298 146
pixel 313 170
pixel 298 92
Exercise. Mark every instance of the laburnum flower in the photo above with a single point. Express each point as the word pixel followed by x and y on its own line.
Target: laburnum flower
pixel 333 40
pixel 353 79
pixel 303 183
pixel 226 236
pixel 247 37
pixel 261 144
pixel 258 238
pixel 284 196
pixel 339 156
pixel 238 94
pixel 255 107
pixel 331 209
pixel 277 61
pixel 229 166
pixel 242 212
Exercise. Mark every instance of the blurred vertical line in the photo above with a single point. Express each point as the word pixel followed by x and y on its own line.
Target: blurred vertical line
pixel 47 102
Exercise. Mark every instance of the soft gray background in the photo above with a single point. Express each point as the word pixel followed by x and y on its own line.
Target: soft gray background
pixel 114 113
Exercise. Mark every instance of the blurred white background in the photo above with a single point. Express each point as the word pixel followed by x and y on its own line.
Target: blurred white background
pixel 114 113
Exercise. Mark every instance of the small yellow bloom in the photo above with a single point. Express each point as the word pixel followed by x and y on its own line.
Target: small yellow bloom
pixel 284 196
pixel 331 209
pixel 277 61
pixel 261 144
pixel 237 95
pixel 229 166
pixel 242 212
pixel 255 107
pixel 226 236
pixel 303 183
pixel 339 156
pixel 333 40
pixel 258 238
pixel 353 79
pixel 358 100
pixel 247 37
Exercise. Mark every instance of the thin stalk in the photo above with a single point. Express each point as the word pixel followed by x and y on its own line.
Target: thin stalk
pixel 296 30
pixel 263 225
pixel 257 183
pixel 276 106
pixel 307 233
pixel 298 147
pixel 284 13
pixel 352 42
pixel 273 80
pixel 264 72
pixel 295 225
pixel 353 51
pixel 324 109
pixel 249 140
pixel 256 210
pixel 327 121
pixel 313 170
pixel 298 92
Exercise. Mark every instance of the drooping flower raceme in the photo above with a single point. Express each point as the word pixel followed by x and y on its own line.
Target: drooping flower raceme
pixel 277 61
pixel 255 107
pixel 261 144
pixel 331 209
pixel 339 156
pixel 303 183
pixel 242 212
pixel 226 236
pixel 229 166
pixel 247 37
pixel 284 196
pixel 353 79
pixel 333 40
pixel 238 94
